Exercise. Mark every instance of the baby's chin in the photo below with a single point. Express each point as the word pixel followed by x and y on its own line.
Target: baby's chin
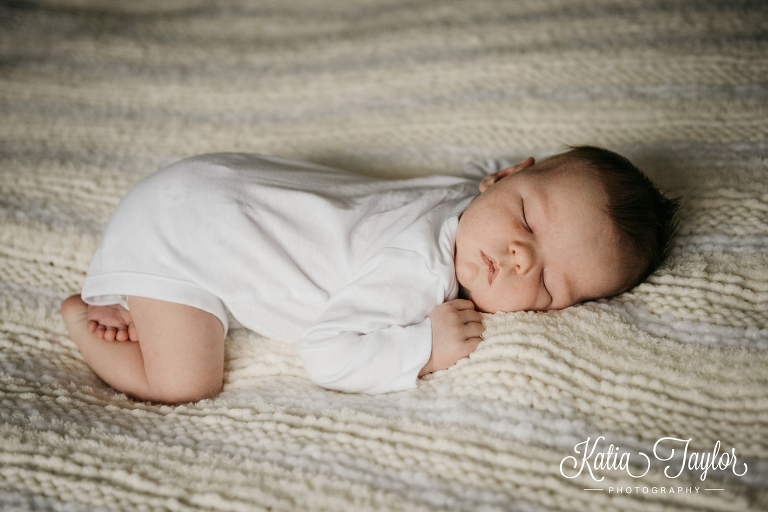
pixel 464 293
pixel 467 295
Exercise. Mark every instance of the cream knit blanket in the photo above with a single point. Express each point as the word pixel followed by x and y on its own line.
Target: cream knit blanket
pixel 95 94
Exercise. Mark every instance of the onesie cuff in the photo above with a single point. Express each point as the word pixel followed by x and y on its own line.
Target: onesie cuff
pixel 418 349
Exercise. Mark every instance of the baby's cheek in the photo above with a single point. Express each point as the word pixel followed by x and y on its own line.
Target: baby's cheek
pixel 466 272
pixel 512 300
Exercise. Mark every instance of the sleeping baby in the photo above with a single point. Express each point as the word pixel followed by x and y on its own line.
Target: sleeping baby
pixel 379 282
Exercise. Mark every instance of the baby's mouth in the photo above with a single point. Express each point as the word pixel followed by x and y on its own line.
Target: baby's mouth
pixel 491 267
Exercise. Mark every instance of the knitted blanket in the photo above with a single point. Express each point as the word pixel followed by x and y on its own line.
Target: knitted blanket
pixel 654 400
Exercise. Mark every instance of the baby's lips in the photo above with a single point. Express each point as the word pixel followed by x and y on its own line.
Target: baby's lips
pixel 491 267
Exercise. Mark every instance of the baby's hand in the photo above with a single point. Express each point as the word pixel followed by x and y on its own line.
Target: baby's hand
pixel 456 331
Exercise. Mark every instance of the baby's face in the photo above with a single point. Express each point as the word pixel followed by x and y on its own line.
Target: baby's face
pixel 538 239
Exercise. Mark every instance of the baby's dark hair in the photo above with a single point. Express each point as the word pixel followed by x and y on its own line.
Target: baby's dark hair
pixel 646 217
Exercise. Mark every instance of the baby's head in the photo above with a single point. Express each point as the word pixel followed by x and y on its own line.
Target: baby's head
pixel 580 225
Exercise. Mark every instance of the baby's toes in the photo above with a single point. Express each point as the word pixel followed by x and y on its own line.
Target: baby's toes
pixel 99 332
pixel 109 334
pixel 133 334
pixel 92 325
pixel 121 335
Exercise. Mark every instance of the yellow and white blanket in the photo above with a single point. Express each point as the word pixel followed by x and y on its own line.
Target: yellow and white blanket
pixel 559 411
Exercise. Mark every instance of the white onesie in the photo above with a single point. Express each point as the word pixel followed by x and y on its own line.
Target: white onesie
pixel 348 266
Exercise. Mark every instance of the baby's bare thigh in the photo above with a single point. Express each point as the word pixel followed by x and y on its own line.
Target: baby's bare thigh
pixel 182 346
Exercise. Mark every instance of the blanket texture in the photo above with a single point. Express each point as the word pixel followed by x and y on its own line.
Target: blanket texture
pixel 554 411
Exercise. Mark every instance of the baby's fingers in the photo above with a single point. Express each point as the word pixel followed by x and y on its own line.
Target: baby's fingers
pixel 470 315
pixel 470 345
pixel 462 304
pixel 472 330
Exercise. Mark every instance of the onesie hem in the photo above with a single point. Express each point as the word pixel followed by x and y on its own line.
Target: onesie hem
pixel 111 288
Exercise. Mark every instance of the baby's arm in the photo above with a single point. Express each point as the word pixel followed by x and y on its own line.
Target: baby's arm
pixel 456 331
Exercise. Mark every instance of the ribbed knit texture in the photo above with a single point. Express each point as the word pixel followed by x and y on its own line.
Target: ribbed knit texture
pixel 96 94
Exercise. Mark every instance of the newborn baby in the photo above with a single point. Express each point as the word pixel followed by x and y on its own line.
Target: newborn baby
pixel 378 281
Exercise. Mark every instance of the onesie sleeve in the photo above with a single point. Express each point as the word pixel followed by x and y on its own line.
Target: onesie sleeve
pixel 375 335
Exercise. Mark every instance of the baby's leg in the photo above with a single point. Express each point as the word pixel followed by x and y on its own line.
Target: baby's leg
pixel 179 356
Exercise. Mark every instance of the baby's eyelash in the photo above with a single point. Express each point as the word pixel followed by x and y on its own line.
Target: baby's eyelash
pixel 543 284
pixel 525 221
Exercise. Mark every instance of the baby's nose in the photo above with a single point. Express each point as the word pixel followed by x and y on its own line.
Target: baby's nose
pixel 522 257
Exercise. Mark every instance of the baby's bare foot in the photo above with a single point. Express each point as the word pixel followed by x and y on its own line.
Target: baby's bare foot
pixel 111 323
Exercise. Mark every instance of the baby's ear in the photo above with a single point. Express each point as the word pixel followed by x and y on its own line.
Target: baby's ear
pixel 493 178
pixel 490 180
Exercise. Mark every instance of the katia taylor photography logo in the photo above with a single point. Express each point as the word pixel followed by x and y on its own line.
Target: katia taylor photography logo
pixel 592 456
